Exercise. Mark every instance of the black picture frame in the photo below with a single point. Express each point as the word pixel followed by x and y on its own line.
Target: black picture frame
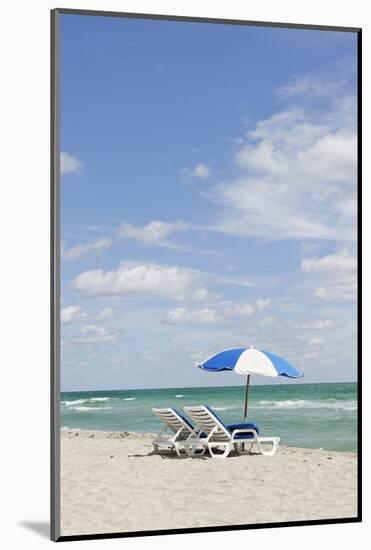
pixel 55 274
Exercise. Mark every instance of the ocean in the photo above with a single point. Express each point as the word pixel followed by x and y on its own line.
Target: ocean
pixel 303 415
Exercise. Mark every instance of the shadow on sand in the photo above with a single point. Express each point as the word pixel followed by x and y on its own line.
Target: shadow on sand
pixel 169 456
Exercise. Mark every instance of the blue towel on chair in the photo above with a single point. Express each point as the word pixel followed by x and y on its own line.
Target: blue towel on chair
pixel 243 426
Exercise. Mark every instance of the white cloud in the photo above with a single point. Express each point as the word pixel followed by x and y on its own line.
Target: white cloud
pixel 241 310
pixel 175 283
pixel 298 176
pixel 315 341
pixel 267 321
pixel 313 85
pixel 91 334
pixel 237 281
pixel 340 261
pixel 71 313
pixel 319 325
pixel 69 164
pixel 201 171
pixel 74 313
pixel 339 276
pixel 154 233
pixel 182 315
pixel 105 314
pixel 201 294
pixel 344 291
pixel 79 250
pixel 262 303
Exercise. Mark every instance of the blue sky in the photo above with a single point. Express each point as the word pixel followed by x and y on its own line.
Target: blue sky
pixel 208 188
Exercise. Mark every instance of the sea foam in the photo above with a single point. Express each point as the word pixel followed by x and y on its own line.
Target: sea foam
pixel 81 401
pixel 225 408
pixel 89 409
pixel 307 404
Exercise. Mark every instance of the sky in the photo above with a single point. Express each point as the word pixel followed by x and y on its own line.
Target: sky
pixel 208 200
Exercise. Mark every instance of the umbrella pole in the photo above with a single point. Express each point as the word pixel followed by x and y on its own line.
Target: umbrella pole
pixel 246 396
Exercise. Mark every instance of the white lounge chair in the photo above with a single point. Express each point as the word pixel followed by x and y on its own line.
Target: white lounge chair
pixel 219 435
pixel 180 429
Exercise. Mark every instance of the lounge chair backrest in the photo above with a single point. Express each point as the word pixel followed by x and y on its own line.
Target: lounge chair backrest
pixel 173 420
pixel 206 420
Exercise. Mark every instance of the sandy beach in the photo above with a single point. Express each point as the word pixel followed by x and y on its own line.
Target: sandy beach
pixel 113 482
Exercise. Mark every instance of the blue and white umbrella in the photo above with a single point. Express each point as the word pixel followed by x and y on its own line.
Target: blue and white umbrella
pixel 249 361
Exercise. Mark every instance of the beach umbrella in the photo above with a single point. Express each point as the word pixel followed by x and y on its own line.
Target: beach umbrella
pixel 248 361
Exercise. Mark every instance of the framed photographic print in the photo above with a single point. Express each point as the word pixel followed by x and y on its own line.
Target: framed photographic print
pixel 205 274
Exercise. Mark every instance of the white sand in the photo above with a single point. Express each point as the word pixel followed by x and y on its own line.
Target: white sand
pixel 112 482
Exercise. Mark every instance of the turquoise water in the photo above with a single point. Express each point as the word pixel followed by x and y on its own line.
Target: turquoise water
pixel 303 415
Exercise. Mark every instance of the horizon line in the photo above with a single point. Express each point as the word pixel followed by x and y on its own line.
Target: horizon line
pixel 200 387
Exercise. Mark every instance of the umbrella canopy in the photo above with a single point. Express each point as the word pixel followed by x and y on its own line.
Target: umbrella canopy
pixel 250 361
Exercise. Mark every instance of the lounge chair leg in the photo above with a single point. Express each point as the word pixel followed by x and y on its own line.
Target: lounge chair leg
pixel 177 447
pixel 272 451
pixel 193 450
pixel 226 452
pixel 199 452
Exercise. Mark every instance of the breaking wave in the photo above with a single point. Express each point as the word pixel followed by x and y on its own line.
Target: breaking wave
pixel 88 409
pixel 307 404
pixel 81 401
pixel 225 408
